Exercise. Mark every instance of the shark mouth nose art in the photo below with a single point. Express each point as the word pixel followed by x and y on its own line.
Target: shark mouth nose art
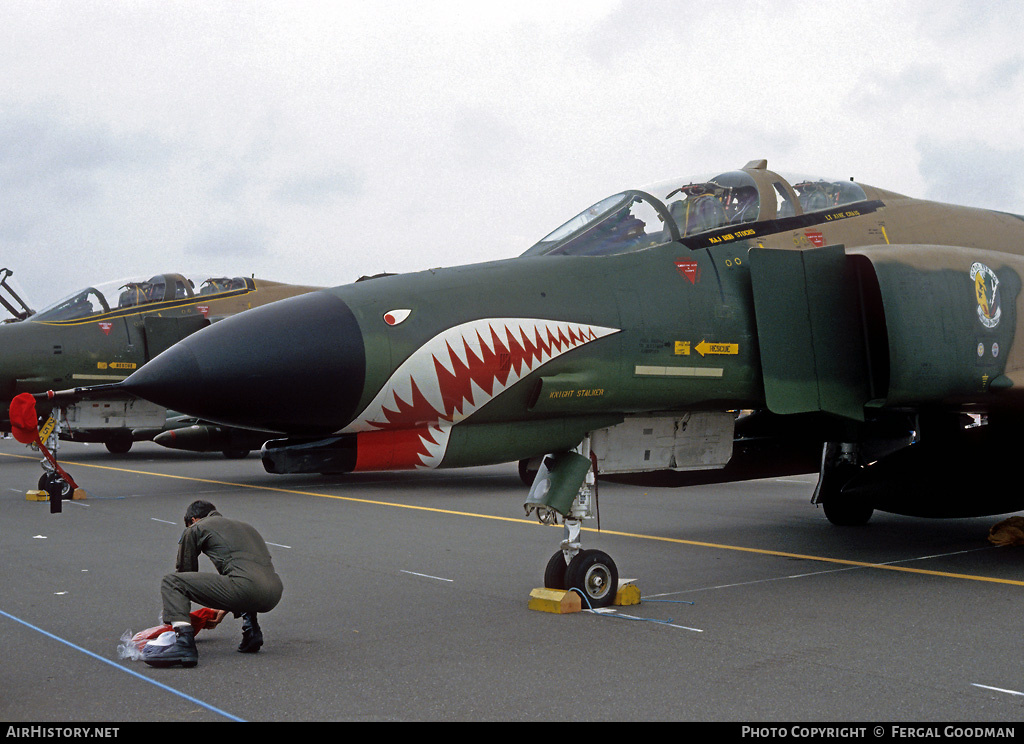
pixel 459 371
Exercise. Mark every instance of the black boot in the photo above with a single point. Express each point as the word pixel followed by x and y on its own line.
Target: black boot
pixel 252 636
pixel 182 652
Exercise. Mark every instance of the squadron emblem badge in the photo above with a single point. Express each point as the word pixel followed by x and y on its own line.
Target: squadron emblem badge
pixel 986 291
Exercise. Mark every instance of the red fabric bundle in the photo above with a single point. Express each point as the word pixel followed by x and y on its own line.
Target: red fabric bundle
pixel 24 421
pixel 200 619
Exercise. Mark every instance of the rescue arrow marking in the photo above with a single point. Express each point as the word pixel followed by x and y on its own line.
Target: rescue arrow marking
pixel 704 348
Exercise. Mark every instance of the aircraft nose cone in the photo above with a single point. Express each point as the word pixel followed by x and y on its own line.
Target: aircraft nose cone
pixel 295 366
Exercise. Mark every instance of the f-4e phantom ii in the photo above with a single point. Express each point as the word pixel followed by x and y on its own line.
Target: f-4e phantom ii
pixel 105 332
pixel 863 334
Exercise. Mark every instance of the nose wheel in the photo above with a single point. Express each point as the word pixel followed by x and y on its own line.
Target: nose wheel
pixel 555 571
pixel 54 486
pixel 593 573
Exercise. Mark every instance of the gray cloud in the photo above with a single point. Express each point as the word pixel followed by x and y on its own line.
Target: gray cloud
pixel 43 145
pixel 316 188
pixel 974 173
pixel 230 241
pixel 331 139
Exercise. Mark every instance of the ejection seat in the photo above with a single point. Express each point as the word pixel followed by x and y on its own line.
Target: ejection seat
pixel 697 215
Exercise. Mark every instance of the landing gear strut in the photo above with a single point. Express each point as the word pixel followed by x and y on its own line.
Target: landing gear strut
pixel 564 489
pixel 57 484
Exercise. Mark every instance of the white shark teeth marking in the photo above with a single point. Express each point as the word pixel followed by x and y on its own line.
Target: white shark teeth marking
pixel 464 352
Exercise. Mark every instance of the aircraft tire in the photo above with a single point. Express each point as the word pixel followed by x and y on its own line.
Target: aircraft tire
pixel 119 445
pixel 527 474
pixel 55 486
pixel 845 513
pixel 841 509
pixel 554 572
pixel 595 574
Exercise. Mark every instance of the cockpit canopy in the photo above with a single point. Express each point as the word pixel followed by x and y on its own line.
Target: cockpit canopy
pixel 637 219
pixel 123 294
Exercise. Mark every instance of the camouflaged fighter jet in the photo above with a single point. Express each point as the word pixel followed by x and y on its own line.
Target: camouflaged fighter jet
pixel 726 327
pixel 105 332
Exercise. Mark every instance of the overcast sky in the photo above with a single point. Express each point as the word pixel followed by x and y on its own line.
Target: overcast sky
pixel 314 142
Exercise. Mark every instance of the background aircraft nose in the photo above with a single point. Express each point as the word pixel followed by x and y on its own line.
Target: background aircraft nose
pixel 295 366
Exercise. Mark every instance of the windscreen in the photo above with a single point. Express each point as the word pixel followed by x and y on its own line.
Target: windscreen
pixel 626 222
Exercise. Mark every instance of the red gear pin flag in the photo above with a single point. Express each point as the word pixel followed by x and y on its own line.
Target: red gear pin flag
pixel 25 428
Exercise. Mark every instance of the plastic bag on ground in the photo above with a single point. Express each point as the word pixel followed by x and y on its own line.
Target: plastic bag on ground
pixel 131 645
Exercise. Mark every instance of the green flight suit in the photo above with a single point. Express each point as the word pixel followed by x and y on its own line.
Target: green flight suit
pixel 245 580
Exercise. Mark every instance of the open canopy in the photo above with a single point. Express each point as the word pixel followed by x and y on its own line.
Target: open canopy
pixel 640 218
pixel 127 293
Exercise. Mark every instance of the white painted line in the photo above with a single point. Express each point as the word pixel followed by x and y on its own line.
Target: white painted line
pixel 616 613
pixel 998 689
pixel 164 521
pixel 683 627
pixel 426 576
pixel 818 573
pixel 937 555
pixel 659 622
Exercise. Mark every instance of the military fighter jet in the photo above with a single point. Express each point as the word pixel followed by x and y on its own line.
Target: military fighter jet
pixel 706 329
pixel 103 333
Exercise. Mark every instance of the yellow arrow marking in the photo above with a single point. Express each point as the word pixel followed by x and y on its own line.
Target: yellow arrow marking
pixel 704 348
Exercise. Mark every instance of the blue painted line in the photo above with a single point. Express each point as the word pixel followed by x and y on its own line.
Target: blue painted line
pixel 162 686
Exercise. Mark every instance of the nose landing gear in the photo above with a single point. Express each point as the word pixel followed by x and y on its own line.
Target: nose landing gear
pixel 564 489
pixel 54 481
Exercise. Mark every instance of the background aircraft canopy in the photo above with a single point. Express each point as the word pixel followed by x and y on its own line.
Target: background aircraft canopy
pixel 121 294
pixel 638 219
pixel 816 194
pixel 11 298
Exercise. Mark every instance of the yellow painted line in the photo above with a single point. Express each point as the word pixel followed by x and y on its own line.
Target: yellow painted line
pixel 821 559
pixel 519 520
pixel 276 489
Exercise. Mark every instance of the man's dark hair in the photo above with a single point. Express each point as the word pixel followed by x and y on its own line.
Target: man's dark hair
pixel 198 510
